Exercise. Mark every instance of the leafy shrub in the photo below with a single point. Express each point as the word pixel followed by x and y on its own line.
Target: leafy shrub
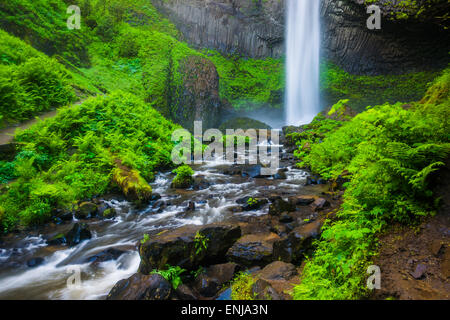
pixel 171 274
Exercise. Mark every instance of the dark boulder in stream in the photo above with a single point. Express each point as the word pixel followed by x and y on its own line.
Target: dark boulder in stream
pixel 141 287
pixel 253 250
pixel 86 210
pixel 188 247
pixel 77 234
pixel 279 206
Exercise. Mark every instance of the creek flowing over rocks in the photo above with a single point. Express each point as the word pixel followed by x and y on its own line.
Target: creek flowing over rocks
pixel 103 244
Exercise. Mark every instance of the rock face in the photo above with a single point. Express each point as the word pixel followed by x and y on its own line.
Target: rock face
pixel 197 98
pixel 256 29
pixel 397 48
pixel 248 27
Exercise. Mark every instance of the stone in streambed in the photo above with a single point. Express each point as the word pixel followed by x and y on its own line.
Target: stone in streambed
pixel 253 249
pixel 78 233
pixel 105 255
pixel 419 272
pixel 183 292
pixel 141 287
pixel 297 242
pixel 86 210
pixel 302 200
pixel 320 204
pixel 279 206
pixel 214 277
pixel 184 247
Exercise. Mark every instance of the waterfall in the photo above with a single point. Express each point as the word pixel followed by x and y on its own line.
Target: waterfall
pixel 302 61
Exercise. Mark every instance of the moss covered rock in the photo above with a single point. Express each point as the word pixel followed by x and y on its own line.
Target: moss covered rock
pixel 131 183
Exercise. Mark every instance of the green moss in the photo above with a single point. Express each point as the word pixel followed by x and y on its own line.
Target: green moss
pixel 183 178
pixel 249 83
pixel 241 287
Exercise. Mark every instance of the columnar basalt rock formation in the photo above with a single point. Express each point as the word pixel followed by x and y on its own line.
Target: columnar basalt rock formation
pixel 256 29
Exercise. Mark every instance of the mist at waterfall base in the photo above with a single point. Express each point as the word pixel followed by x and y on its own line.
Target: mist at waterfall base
pixel 302 61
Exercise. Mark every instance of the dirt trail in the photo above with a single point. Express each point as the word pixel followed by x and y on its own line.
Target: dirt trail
pixel 415 262
pixel 7 134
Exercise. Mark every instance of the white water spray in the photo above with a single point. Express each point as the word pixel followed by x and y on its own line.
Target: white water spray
pixel 302 61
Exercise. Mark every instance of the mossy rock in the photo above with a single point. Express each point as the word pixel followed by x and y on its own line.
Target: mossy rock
pixel 86 210
pixel 109 213
pixel 131 183
pixel 182 183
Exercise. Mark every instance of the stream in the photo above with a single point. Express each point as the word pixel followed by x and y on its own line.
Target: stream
pixel 213 203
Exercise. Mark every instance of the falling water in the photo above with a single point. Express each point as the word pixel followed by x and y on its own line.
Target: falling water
pixel 302 61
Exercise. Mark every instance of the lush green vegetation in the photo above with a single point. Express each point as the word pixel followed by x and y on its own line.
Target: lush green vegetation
pixel 362 91
pixel 241 287
pixel 30 82
pixel 171 274
pixel 183 178
pixel 389 152
pixel 249 83
pixel 74 155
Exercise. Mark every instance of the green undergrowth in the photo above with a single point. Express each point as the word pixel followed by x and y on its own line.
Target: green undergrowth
pixel 362 91
pixel 73 155
pixel 30 82
pixel 249 83
pixel 389 152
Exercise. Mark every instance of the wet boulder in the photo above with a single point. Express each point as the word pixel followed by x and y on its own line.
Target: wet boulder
pixel 279 206
pixel 320 204
pixel 57 240
pixel 141 287
pixel 188 247
pixel 293 247
pixel 183 292
pixel 275 281
pixel 302 200
pixel 86 210
pixel 78 233
pixel 252 171
pixel 253 249
pixel 280 175
pixel 200 183
pixel 109 213
pixel 278 270
pixel 209 283
pixel 250 203
pixel 311 180
pixel 262 290
pixel 105 255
